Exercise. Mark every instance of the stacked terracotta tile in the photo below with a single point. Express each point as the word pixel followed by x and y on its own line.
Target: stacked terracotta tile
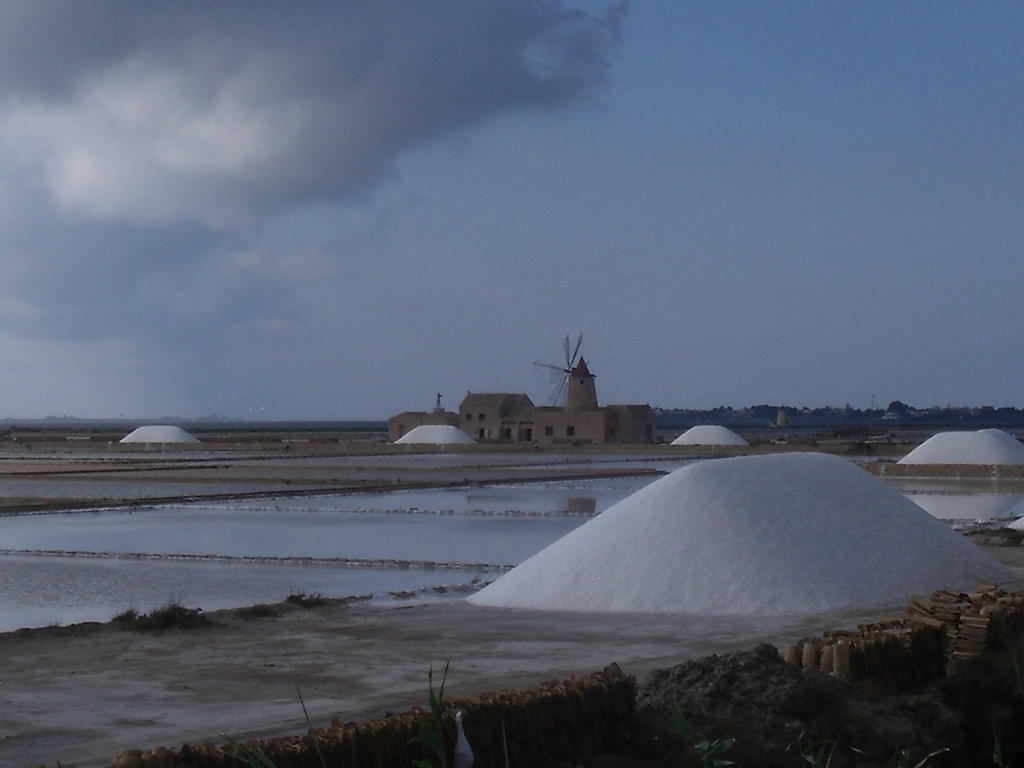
pixel 938 634
pixel 971 622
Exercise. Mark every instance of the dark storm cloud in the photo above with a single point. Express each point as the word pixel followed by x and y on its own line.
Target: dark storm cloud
pixel 145 112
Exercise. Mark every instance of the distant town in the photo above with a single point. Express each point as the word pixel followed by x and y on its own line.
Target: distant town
pixel 896 414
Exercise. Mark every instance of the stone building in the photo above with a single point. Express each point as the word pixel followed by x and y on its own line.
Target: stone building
pixel 513 418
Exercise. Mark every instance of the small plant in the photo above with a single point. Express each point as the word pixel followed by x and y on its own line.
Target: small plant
pixel 1018 672
pixel 814 754
pixel 301 599
pixel 711 751
pixel 431 727
pixel 170 616
pixel 997 750
pixel 902 758
pixel 311 736
pixel 249 756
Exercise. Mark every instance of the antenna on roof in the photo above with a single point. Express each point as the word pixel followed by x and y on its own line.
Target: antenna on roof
pixel 560 375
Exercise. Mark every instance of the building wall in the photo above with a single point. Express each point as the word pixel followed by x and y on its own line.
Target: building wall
pixel 497 416
pixel 512 418
pixel 480 422
pixel 557 425
pixel 630 424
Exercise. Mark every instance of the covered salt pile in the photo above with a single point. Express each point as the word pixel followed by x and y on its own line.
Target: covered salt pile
pixel 709 434
pixel 159 434
pixel 756 535
pixel 434 434
pixel 986 446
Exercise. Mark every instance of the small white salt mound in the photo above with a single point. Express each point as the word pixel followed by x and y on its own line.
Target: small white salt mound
pixel 1017 510
pixel 159 434
pixel 782 534
pixel 986 446
pixel 435 434
pixel 964 506
pixel 709 434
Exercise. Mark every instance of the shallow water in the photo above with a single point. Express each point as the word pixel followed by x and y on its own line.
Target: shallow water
pixel 967 500
pixel 49 590
pixel 497 525
pixel 274 533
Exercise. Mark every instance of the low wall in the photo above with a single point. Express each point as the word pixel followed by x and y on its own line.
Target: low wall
pixel 982 471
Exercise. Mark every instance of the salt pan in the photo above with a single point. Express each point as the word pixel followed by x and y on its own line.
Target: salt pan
pixel 756 535
pixel 986 446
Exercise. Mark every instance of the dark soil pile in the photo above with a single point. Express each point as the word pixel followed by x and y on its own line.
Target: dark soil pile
pixel 780 716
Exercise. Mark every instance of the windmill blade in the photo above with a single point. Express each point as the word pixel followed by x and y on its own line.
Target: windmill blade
pixel 558 368
pixel 566 345
pixel 579 343
pixel 559 396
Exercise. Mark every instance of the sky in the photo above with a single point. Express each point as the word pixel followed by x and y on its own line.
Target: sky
pixel 337 209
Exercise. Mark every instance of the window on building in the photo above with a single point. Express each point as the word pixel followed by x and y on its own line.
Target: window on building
pixel 570 430
pixel 480 434
pixel 506 433
pixel 549 431
pixel 469 417
pixel 481 416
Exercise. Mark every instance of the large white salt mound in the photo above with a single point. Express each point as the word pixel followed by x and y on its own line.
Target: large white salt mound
pixel 435 434
pixel 756 535
pixel 986 446
pixel 709 434
pixel 159 434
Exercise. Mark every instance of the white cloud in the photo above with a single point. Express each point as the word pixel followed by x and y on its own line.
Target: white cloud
pixel 212 129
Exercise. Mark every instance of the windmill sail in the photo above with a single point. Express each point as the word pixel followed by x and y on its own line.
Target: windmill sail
pixel 560 375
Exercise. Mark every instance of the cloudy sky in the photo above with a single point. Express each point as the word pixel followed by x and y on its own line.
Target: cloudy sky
pixel 336 209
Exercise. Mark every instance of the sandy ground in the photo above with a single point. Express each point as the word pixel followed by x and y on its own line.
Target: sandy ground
pixel 82 694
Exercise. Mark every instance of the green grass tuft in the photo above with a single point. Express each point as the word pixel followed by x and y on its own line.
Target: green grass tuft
pixel 170 616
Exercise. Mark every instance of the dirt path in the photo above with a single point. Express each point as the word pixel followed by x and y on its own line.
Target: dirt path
pixel 81 695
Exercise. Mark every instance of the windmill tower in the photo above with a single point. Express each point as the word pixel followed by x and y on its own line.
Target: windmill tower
pixel 575 388
pixel 582 394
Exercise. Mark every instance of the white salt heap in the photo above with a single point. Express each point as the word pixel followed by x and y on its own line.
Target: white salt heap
pixel 1017 510
pixel 986 446
pixel 435 434
pixel 757 535
pixel 159 434
pixel 709 434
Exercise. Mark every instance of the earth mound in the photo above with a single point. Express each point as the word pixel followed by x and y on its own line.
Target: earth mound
pixel 986 446
pixel 709 434
pixel 783 534
pixel 782 717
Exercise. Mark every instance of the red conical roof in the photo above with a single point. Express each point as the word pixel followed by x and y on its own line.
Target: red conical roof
pixel 581 369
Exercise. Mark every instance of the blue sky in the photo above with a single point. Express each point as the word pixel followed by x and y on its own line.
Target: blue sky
pixel 336 212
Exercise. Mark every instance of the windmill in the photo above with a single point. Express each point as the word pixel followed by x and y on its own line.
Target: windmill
pixel 560 375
